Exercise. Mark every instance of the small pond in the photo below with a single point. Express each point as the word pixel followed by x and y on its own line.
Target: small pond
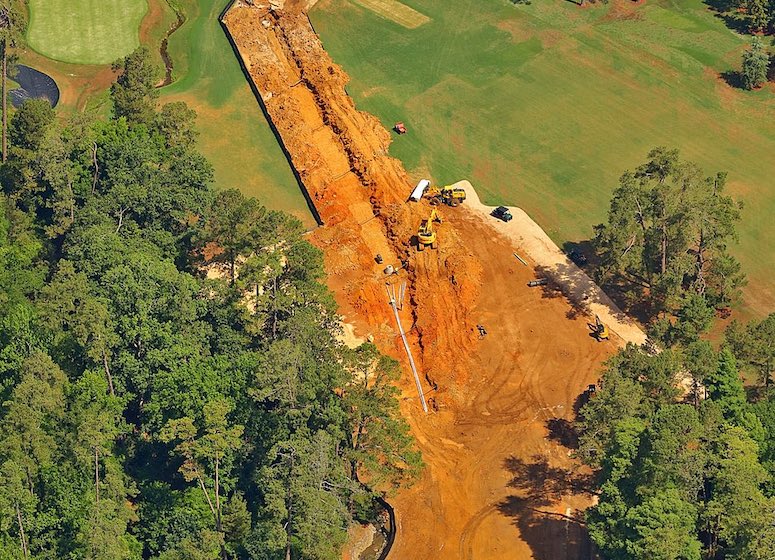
pixel 33 84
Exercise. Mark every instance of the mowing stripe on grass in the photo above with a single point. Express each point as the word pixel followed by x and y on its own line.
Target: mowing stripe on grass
pixel 396 12
pixel 85 31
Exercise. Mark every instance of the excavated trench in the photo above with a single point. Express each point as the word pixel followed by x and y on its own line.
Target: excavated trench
pixel 492 397
pixel 359 193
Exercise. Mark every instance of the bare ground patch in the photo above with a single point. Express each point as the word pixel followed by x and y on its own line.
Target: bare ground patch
pixel 396 12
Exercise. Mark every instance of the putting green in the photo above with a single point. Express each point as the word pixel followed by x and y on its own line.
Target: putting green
pixel 85 31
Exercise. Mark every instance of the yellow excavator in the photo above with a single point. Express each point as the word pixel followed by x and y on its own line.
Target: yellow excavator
pixel 600 331
pixel 448 195
pixel 426 234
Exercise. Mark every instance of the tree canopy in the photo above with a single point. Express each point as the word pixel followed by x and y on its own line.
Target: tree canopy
pixel 667 236
pixel 680 477
pixel 756 63
pixel 153 410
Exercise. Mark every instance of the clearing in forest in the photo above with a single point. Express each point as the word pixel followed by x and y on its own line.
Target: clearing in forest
pixel 543 106
pixel 85 31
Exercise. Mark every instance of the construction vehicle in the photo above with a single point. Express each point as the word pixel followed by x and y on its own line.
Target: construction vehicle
pixel 426 234
pixel 447 195
pixel 599 330
pixel 502 213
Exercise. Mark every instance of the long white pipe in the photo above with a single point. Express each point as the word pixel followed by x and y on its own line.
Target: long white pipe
pixel 409 353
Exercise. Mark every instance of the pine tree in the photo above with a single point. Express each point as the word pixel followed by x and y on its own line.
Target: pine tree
pixel 758 14
pixel 134 94
pixel 756 62
pixel 725 387
pixel 12 25
pixel 668 229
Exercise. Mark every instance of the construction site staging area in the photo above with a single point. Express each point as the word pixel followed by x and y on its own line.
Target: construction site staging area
pixel 497 483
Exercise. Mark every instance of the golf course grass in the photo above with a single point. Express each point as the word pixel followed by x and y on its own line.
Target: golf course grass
pixel 234 135
pixel 85 31
pixel 544 106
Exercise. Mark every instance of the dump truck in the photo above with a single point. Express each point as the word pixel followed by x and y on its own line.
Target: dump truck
pixel 447 195
pixel 426 233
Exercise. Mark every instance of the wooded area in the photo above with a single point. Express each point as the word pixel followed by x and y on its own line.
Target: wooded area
pixel 149 411
pixel 682 450
pixel 683 475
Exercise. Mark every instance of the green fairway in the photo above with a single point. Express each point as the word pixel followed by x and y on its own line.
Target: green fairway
pixel 544 106
pixel 85 31
pixel 234 135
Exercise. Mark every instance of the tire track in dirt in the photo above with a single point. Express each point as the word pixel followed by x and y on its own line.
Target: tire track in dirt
pixel 469 531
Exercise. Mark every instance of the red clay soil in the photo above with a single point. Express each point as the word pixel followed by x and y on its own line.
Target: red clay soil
pixel 497 484
pixel 359 192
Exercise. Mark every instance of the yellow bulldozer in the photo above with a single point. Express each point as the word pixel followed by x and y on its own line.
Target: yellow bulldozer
pixel 426 233
pixel 447 195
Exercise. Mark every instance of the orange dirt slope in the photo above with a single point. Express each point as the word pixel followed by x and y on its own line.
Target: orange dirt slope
pixel 497 484
pixel 359 191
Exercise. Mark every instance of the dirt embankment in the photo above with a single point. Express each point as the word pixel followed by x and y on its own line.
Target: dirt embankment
pixel 499 482
pixel 340 156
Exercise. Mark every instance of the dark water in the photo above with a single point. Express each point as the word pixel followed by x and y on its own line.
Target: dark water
pixel 34 85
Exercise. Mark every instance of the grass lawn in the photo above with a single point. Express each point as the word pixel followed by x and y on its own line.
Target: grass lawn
pixel 543 106
pixel 85 31
pixel 234 135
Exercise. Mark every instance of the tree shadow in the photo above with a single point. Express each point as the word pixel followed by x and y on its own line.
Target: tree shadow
pixel 726 11
pixel 580 401
pixel 719 5
pixel 628 296
pixel 551 535
pixel 563 432
pixel 560 284
pixel 733 78
pixel 584 251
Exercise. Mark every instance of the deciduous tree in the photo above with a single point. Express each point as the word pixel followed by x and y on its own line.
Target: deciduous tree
pixel 134 93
